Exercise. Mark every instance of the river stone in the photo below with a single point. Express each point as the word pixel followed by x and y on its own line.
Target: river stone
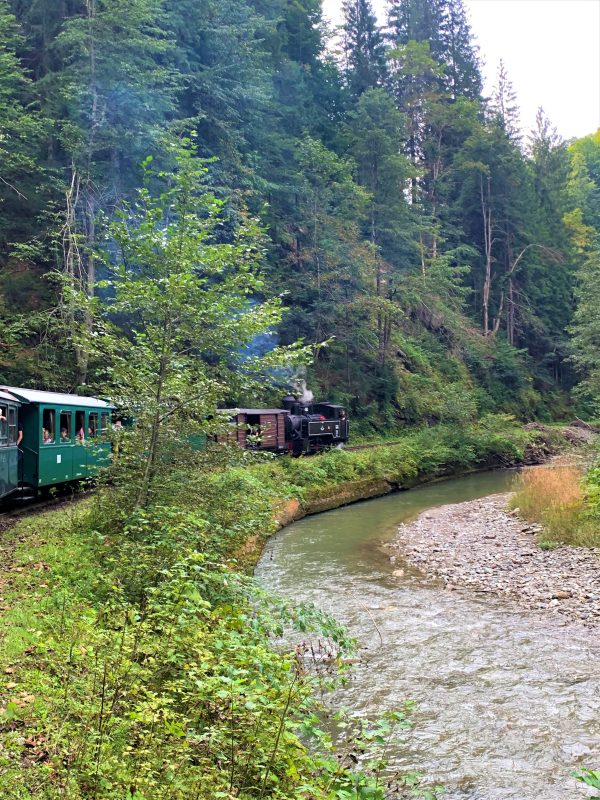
pixel 482 546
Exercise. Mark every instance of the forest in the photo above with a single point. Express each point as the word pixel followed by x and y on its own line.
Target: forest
pixel 435 260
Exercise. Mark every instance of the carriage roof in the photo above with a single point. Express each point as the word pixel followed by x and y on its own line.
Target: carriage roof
pixel 53 398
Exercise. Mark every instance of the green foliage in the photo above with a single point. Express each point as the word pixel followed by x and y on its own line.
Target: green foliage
pixel 164 672
pixel 181 311
pixel 21 139
pixel 364 47
pixel 591 488
pixel 413 457
pixel 149 666
pixel 151 669
pixel 367 166
pixel 564 503
pixel 590 778
pixel 586 323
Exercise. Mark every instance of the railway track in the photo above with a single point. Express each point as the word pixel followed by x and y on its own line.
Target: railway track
pixel 10 513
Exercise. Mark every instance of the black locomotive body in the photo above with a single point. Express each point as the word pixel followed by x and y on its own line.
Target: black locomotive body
pixel 298 428
pixel 311 427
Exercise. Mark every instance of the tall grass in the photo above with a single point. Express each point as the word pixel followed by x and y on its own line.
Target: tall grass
pixel 555 498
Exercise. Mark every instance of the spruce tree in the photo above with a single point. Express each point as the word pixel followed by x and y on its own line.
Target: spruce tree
pixel 364 47
pixel 443 24
pixel 504 106
pixel 21 138
pixel 416 20
pixel 374 132
pixel 463 75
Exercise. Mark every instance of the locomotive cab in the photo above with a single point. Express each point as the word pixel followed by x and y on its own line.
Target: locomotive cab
pixel 330 411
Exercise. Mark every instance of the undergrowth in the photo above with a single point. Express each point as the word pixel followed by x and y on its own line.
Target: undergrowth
pixel 564 502
pixel 418 455
pixel 139 662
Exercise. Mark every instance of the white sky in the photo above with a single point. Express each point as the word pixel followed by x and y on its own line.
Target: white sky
pixel 551 49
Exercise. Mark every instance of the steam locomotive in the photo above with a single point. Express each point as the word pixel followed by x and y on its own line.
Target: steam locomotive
pixel 298 428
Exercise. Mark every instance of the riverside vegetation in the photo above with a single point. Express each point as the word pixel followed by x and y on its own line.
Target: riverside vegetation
pixel 139 661
pixel 565 502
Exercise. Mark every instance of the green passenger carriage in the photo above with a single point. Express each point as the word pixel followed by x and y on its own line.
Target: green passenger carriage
pixel 64 438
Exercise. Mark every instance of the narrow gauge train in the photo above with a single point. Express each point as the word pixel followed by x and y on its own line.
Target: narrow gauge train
pixel 48 438
pixel 298 428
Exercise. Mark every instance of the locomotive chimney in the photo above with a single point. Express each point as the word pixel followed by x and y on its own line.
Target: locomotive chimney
pixel 289 401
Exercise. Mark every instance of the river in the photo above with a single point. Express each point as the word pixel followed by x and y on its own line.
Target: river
pixel 508 702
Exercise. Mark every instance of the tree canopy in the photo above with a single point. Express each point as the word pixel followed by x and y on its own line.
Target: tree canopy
pixel 408 220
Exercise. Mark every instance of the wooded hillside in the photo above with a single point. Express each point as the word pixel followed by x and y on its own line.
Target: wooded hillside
pixel 406 217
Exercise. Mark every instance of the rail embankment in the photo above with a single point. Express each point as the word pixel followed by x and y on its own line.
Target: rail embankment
pixel 311 486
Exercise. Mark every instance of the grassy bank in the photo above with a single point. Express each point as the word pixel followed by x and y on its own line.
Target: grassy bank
pixel 565 502
pixel 140 663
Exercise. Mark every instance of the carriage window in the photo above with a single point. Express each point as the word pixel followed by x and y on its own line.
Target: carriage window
pixel 3 425
pixel 48 426
pixel 80 426
pixel 104 425
pixel 12 425
pixel 65 426
pixel 93 426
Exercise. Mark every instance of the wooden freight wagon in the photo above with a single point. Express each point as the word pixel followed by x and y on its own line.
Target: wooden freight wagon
pixel 257 428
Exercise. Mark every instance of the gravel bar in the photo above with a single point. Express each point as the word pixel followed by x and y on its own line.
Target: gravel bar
pixel 481 546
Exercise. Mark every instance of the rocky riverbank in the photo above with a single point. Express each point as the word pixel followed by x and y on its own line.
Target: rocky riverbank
pixel 481 546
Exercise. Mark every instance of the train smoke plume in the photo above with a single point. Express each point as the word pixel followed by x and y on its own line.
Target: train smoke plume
pixel 304 394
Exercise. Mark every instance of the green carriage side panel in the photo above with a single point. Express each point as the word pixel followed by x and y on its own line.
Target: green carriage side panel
pixel 198 441
pixel 55 459
pixel 98 447
pixel 58 445
pixel 29 417
pixel 9 470
pixel 9 452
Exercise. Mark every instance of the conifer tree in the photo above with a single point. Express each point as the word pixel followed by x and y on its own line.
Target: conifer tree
pixel 416 20
pixel 364 47
pixel 443 24
pixel 114 95
pixel 21 132
pixel 549 283
pixel 585 343
pixel 375 130
pixel 504 106
pixel 463 76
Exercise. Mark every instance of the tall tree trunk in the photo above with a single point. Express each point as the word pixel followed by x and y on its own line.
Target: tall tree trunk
pixel 486 212
pixel 76 269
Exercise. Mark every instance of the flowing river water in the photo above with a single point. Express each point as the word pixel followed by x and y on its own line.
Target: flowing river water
pixel 508 702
